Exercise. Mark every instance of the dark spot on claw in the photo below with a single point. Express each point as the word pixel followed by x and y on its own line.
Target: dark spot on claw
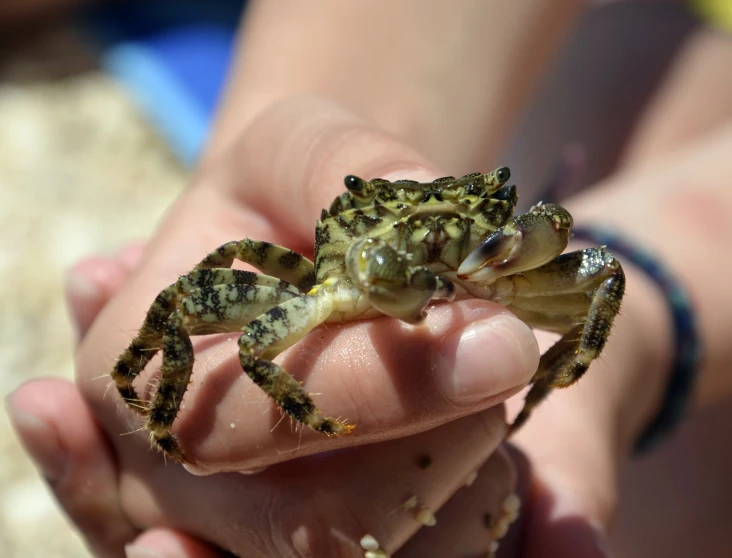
pixel 507 193
pixel 488 520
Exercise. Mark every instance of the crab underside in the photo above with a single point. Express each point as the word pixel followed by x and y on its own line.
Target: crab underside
pixel 383 248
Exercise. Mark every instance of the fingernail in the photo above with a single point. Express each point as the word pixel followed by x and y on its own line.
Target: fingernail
pixel 131 254
pixel 420 174
pixel 40 440
pixel 84 295
pixel 137 551
pixel 80 285
pixel 486 358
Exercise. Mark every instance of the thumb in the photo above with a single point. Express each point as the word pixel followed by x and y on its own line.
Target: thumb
pixel 568 518
pixel 569 475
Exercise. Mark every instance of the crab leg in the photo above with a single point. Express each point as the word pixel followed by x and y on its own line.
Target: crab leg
pixel 150 337
pixel 210 309
pixel 274 331
pixel 268 258
pixel 553 293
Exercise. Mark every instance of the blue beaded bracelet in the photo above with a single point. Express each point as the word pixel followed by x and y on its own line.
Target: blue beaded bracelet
pixel 687 345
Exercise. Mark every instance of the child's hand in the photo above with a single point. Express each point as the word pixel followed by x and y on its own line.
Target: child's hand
pixel 401 386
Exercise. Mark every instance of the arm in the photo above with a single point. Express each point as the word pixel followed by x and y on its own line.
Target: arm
pixel 450 82
pixel 672 197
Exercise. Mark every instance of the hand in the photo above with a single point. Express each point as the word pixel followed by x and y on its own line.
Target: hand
pixel 577 440
pixel 349 493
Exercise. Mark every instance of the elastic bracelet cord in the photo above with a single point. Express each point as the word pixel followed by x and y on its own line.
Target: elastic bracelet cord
pixel 687 345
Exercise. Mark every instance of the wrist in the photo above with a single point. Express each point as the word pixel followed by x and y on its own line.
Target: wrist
pixel 637 359
pixel 644 357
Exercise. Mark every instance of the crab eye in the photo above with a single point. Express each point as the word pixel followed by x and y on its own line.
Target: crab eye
pixel 353 183
pixel 502 174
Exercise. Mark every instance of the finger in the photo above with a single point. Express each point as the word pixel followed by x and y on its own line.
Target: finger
pixel 169 543
pixel 558 524
pixel 91 282
pixel 70 451
pixel 324 505
pixel 89 286
pixel 476 518
pixel 131 254
pixel 570 506
pixel 389 379
pixel 305 147
pixel 573 485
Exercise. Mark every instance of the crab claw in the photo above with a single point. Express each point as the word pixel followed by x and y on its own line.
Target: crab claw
pixel 493 252
pixel 394 287
pixel 407 299
pixel 526 242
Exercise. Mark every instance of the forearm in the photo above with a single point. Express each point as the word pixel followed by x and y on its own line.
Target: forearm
pixel 673 199
pixel 681 212
pixel 690 119
pixel 450 79
pixel 626 385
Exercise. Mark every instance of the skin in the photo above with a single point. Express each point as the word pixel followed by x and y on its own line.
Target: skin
pixel 573 490
pixel 382 410
pixel 685 129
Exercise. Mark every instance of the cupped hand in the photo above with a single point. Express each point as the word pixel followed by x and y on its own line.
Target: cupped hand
pixel 675 207
pixel 397 383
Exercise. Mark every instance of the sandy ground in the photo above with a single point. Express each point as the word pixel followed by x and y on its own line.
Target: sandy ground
pixel 81 172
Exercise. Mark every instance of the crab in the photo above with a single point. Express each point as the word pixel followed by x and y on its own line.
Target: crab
pixel 382 248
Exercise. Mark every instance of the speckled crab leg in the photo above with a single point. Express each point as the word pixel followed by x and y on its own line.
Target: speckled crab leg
pixel 219 308
pixel 149 339
pixel 271 259
pixel 579 295
pixel 274 331
pixel 291 267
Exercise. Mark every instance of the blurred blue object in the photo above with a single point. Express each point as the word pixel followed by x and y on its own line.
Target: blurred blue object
pixel 173 56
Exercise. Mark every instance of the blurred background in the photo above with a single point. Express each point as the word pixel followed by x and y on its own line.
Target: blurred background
pixel 82 171
pixel 103 110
